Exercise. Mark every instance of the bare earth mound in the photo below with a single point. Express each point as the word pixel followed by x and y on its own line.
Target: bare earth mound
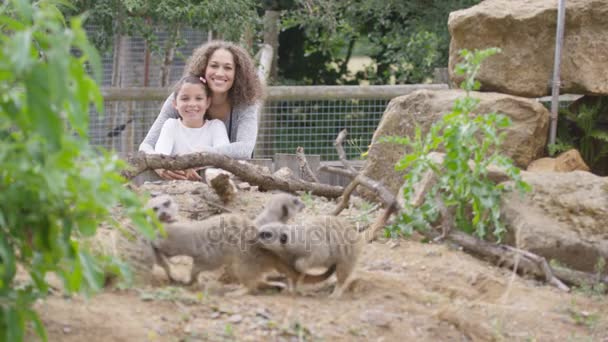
pixel 406 291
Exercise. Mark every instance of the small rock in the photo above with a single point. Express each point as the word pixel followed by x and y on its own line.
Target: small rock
pixel 393 244
pixel 215 315
pixel 244 186
pixel 263 313
pixel 67 330
pixel 235 319
pixel 376 317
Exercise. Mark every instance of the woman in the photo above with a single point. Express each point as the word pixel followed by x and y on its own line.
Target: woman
pixel 235 93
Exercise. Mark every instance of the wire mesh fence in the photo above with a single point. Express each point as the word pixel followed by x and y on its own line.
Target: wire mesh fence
pixel 306 116
pixel 315 124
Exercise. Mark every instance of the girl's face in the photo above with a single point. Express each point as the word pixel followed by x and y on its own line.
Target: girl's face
pixel 191 102
pixel 220 71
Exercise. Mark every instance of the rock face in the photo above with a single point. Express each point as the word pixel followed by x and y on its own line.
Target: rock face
pixel 570 160
pixel 563 218
pixel 525 31
pixel 525 140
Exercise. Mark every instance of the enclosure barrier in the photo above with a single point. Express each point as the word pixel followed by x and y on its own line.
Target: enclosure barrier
pixel 307 116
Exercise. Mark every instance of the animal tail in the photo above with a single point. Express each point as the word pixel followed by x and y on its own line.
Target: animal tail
pixel 313 279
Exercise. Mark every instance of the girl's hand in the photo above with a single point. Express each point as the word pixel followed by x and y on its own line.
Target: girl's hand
pixel 171 174
pixel 192 175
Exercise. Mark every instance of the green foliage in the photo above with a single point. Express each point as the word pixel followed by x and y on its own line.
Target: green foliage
pixel 54 187
pixel 581 130
pixel 405 39
pixel 471 144
pixel 146 18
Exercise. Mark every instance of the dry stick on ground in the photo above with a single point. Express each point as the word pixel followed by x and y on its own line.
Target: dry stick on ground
pixel 250 173
pixel 358 179
pixel 305 169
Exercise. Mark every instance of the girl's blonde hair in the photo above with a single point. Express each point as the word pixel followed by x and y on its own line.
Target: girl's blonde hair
pixel 246 88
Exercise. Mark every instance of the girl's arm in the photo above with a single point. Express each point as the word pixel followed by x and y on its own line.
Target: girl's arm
pixel 166 138
pixel 166 112
pixel 246 127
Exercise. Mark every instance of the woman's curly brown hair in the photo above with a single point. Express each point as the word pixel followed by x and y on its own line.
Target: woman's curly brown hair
pixel 246 88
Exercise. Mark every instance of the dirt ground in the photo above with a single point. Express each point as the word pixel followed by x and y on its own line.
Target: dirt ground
pixel 405 290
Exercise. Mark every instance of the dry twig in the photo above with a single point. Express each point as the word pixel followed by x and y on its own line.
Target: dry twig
pixel 305 169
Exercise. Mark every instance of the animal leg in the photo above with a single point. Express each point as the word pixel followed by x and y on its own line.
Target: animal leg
pixel 344 273
pixel 162 261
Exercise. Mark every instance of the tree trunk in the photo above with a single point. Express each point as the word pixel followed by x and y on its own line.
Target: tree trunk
pixel 271 37
pixel 170 46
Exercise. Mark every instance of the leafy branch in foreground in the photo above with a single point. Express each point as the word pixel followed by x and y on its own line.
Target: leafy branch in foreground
pixel 54 187
pixel 462 186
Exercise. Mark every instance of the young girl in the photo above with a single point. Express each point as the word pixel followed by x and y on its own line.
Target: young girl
pixel 192 131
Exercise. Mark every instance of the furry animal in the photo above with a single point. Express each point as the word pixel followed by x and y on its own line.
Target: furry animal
pixel 164 207
pixel 323 241
pixel 231 239
pixel 280 208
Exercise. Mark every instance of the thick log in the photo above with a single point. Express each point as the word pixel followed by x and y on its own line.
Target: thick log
pixel 252 174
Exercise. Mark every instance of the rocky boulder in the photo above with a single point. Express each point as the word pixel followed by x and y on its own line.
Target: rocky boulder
pixel 525 31
pixel 525 140
pixel 563 218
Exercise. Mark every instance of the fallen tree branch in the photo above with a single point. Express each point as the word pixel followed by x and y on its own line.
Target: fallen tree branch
pixel 250 173
pixel 336 170
pixel 305 169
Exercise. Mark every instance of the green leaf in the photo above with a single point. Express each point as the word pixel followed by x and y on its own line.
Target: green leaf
pixel 14 320
pixel 24 10
pixel 43 119
pixel 20 49
pixel 92 273
pixel 38 326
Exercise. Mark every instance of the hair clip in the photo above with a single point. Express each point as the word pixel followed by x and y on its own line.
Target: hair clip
pixel 203 79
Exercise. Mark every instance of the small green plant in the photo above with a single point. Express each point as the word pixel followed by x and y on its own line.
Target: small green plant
pixel 584 318
pixel 55 189
pixel 581 130
pixel 471 144
pixel 308 200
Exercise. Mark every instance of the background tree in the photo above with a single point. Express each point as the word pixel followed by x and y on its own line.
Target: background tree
pixel 145 18
pixel 406 40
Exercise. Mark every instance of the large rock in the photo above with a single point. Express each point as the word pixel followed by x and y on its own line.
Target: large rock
pixel 525 138
pixel 563 218
pixel 525 31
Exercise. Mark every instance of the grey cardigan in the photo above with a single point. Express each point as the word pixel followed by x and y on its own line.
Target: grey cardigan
pixel 242 136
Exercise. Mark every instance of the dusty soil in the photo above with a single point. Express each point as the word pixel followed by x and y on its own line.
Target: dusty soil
pixel 406 291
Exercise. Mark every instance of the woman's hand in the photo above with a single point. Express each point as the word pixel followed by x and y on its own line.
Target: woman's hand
pixel 171 174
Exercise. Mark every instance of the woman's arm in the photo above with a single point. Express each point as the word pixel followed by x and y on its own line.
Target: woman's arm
pixel 246 127
pixel 166 112
pixel 219 136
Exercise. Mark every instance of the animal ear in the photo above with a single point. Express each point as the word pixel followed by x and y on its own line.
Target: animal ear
pixel 285 210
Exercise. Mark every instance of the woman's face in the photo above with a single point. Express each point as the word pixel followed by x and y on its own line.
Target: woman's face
pixel 220 71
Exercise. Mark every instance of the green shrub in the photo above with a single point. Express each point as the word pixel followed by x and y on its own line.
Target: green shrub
pixel 54 188
pixel 464 137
